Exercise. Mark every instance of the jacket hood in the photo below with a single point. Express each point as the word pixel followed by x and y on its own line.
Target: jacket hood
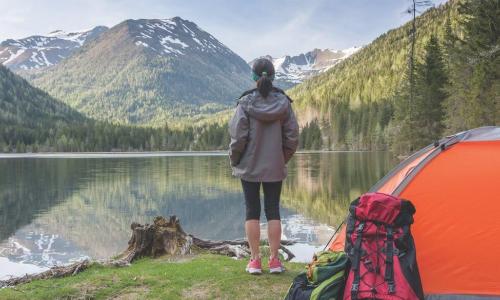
pixel 274 107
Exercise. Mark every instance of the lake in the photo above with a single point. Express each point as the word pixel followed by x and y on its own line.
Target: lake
pixel 58 209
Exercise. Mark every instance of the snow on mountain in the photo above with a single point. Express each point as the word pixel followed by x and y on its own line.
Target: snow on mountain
pixel 38 52
pixel 160 69
pixel 174 36
pixel 292 70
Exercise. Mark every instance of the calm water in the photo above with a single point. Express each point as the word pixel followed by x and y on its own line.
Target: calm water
pixel 56 210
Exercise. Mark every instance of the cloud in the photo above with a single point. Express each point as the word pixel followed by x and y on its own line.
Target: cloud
pixel 280 39
pixel 250 28
pixel 13 19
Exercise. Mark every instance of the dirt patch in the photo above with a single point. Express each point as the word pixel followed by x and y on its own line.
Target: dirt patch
pixel 132 293
pixel 200 291
pixel 87 291
pixel 261 290
pixel 176 258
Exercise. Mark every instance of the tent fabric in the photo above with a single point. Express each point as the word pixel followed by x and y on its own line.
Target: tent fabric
pixel 455 187
pixel 489 133
pixel 457 224
pixel 392 183
pixel 338 242
pixel 392 179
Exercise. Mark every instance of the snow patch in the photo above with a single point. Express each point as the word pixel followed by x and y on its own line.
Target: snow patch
pixel 47 62
pixel 198 42
pixel 350 51
pixel 143 35
pixel 169 39
pixel 168 49
pixel 189 29
pixel 43 47
pixel 140 43
pixel 169 22
pixel 295 69
pixel 14 55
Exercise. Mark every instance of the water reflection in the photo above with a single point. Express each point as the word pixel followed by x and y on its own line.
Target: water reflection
pixel 53 211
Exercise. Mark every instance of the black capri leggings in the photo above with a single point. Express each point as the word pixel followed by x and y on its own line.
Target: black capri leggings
pixel 272 193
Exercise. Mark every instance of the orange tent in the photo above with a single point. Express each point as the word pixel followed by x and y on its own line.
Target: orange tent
pixel 455 187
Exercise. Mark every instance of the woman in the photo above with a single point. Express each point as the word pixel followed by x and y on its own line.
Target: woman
pixel 264 136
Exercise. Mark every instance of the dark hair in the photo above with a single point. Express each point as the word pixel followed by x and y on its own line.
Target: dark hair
pixel 263 72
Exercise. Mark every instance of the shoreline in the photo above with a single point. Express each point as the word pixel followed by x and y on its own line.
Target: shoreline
pixel 150 154
pixel 197 276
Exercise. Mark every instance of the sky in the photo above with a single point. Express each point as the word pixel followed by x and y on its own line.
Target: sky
pixel 250 28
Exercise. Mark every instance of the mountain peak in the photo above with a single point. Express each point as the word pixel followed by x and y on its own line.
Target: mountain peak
pixel 174 36
pixel 38 52
pixel 56 33
pixel 78 34
pixel 291 70
pixel 160 69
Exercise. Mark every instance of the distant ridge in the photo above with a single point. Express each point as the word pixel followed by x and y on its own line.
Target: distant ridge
pixel 149 71
pixel 38 52
pixel 292 70
pixel 26 106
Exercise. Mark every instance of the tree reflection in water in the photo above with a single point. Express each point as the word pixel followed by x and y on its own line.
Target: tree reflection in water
pixel 56 210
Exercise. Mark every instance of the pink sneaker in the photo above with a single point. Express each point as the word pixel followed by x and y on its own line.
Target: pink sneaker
pixel 254 267
pixel 275 266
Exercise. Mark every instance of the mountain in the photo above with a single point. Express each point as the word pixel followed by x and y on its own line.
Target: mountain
pixel 354 101
pixel 292 70
pixel 26 106
pixel 149 71
pixel 32 121
pixel 38 52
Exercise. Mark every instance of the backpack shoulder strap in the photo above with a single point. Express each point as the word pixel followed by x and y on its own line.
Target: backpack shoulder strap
pixel 276 89
pixel 389 260
pixel 356 260
pixel 246 93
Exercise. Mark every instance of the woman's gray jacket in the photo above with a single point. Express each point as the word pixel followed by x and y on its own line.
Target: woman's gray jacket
pixel 264 136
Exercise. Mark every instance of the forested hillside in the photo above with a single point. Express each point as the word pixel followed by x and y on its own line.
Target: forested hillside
pixel 362 103
pixel 32 121
pixel 149 71
pixel 23 105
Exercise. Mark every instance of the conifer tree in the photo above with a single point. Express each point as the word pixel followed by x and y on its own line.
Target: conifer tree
pixel 431 80
pixel 474 67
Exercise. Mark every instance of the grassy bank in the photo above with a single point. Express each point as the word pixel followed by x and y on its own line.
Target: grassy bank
pixel 199 277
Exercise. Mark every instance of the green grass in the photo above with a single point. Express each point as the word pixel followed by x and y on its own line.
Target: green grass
pixel 199 277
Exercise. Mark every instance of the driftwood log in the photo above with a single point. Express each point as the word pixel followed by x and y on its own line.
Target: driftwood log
pixel 52 273
pixel 163 237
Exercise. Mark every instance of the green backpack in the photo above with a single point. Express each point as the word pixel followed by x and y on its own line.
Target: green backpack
pixel 324 278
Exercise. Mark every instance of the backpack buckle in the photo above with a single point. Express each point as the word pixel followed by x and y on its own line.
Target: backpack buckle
pixel 355 287
pixel 392 288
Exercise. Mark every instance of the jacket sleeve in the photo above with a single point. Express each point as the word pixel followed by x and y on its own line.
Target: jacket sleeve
pixel 238 130
pixel 290 129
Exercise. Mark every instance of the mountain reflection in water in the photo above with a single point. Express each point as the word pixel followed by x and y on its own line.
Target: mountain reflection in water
pixel 56 210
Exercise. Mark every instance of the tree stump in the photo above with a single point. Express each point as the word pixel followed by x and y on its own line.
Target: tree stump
pixel 166 237
pixel 163 237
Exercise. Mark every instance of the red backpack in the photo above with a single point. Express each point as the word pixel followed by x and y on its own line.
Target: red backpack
pixel 381 249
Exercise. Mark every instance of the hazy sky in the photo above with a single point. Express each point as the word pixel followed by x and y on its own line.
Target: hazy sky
pixel 249 27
